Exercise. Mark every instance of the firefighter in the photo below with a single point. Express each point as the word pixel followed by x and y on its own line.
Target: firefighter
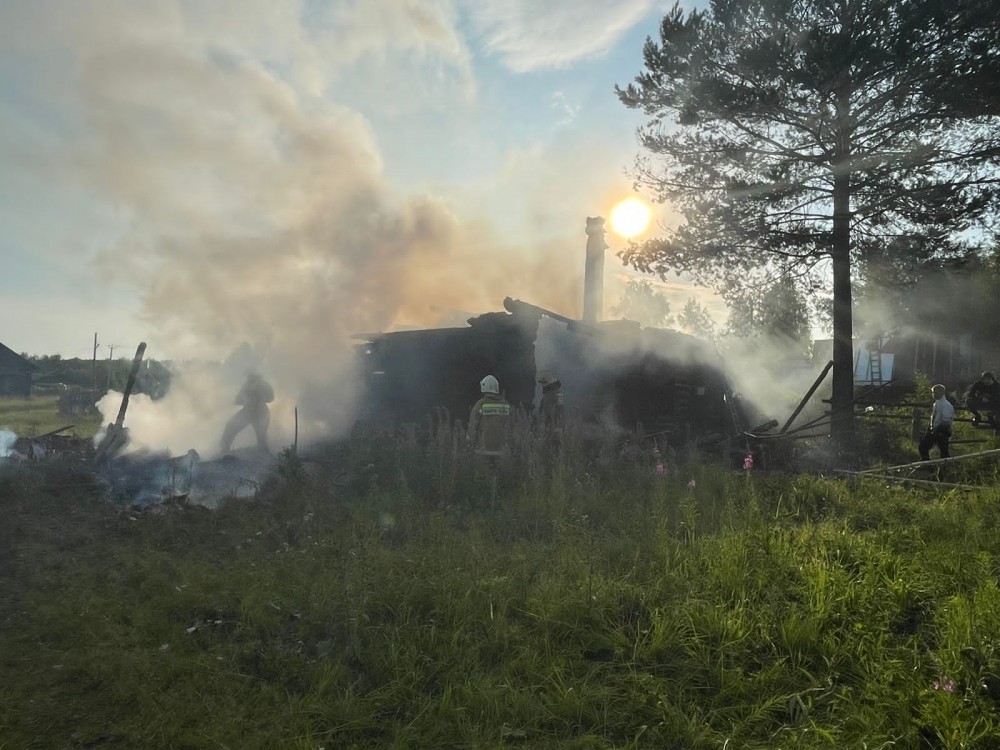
pixel 550 410
pixel 985 395
pixel 254 397
pixel 489 421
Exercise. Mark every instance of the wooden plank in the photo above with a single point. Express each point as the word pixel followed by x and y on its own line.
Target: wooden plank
pixel 934 462
pixel 909 480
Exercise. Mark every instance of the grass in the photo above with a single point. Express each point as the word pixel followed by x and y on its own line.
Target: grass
pixel 30 417
pixel 392 595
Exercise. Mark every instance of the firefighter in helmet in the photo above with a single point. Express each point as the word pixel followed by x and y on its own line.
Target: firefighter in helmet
pixel 550 409
pixel 489 421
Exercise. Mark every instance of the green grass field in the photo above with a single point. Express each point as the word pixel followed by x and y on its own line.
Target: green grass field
pixel 30 417
pixel 392 594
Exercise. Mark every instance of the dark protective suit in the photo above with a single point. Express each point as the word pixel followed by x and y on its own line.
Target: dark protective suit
pixel 254 397
pixel 550 410
pixel 984 396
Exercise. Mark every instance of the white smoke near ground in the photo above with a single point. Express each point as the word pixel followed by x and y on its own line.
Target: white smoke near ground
pixel 7 440
pixel 766 372
pixel 252 207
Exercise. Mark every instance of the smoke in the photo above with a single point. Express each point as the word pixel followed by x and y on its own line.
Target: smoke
pixel 7 440
pixel 771 374
pixel 250 206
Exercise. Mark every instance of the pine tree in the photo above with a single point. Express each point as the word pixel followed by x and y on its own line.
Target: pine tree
pixel 795 135
pixel 644 304
pixel 696 320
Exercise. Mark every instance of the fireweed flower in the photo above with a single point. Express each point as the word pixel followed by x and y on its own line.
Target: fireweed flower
pixel 661 469
pixel 748 462
pixel 692 484
pixel 947 686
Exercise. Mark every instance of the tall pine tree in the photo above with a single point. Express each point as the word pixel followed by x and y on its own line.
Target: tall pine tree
pixel 792 135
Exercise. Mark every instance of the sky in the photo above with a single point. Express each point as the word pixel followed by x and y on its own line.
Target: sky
pixel 202 174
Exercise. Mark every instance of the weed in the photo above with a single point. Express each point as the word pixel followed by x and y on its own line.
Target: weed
pixel 393 592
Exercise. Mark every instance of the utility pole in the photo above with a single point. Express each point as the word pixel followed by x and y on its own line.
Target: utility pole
pixel 95 363
pixel 111 354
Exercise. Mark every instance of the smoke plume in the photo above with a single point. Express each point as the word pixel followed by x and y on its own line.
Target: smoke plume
pixel 250 206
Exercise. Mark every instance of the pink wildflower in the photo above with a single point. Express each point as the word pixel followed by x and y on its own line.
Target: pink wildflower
pixel 748 462
pixel 948 686
pixel 661 469
pixel 692 484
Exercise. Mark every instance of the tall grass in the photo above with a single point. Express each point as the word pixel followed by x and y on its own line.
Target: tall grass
pixel 395 592
pixel 30 417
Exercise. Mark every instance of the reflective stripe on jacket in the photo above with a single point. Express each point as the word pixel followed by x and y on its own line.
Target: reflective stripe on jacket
pixel 488 425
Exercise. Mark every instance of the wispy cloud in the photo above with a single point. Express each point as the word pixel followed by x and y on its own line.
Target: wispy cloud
pixel 529 34
pixel 567 112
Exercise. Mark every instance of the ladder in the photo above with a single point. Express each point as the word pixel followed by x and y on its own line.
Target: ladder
pixel 875 362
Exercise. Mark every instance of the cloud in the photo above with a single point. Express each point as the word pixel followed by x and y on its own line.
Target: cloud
pixel 561 105
pixel 250 204
pixel 528 34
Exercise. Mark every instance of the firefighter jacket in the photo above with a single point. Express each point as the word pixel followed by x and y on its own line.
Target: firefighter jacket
pixel 255 395
pixel 550 410
pixel 489 425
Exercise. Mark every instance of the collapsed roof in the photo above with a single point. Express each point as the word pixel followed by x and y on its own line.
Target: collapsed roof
pixel 615 372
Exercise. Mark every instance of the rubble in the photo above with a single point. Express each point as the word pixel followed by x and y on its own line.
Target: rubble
pixel 151 480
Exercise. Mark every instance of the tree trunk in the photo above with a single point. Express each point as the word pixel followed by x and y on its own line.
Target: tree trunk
pixel 843 329
pixel 842 422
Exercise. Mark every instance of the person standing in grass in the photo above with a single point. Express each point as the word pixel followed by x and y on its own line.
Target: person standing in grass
pixel 984 395
pixel 489 421
pixel 939 433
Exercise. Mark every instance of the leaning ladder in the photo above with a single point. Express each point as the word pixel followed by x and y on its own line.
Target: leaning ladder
pixel 875 362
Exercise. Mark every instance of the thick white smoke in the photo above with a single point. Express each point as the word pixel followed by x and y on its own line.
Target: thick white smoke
pixel 7 440
pixel 251 206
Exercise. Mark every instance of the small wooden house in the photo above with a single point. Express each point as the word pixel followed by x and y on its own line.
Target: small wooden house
pixel 15 374
pixel 662 382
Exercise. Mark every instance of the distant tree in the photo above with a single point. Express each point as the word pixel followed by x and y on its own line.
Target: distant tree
pixel 644 304
pixel 906 290
pixel 778 313
pixel 696 320
pixel 785 316
pixel 795 135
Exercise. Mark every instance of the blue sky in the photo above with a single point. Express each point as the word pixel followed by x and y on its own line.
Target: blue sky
pixel 198 174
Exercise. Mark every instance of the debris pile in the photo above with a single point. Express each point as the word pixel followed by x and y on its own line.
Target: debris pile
pixel 138 479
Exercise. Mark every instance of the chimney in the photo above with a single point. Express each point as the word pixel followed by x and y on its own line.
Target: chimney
pixel 593 275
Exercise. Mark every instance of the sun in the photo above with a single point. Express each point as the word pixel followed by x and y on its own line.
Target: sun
pixel 630 217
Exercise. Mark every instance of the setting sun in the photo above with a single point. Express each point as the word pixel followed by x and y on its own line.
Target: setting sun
pixel 630 217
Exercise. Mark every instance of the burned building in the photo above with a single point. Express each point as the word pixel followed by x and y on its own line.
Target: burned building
pixel 15 374
pixel 409 374
pixel 614 373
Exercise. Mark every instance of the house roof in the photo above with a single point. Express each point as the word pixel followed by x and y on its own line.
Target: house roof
pixel 11 360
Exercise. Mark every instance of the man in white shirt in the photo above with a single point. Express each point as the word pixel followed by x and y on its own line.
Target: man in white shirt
pixel 939 433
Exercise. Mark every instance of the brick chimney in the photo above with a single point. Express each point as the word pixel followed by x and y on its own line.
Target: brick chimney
pixel 593 275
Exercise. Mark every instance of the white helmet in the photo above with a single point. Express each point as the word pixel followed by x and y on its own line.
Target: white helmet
pixel 489 384
pixel 546 378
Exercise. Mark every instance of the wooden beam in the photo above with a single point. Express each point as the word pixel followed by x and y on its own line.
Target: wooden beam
pixel 908 480
pixel 809 393
pixel 934 462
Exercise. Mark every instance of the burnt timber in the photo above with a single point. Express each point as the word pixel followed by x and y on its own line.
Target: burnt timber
pixel 662 383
